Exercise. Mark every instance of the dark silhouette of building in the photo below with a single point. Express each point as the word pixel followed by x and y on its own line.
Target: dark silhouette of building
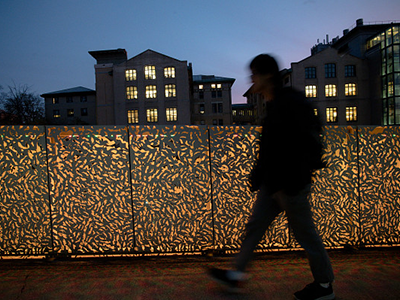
pixel 74 106
pixel 212 100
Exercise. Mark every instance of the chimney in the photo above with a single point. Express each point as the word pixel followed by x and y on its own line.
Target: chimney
pixel 360 22
pixel 346 31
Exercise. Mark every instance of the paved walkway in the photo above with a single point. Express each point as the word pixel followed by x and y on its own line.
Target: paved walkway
pixel 363 274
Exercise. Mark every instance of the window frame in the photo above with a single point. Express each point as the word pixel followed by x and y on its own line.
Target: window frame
pixel 150 72
pixel 169 72
pixel 330 70
pixel 350 89
pixel 152 115
pixel 131 92
pixel 334 117
pixel 130 75
pixel 133 115
pixel 151 91
pixel 171 114
pixel 310 72
pixel 331 91
pixel 351 113
pixel 170 91
pixel 350 71
pixel 311 93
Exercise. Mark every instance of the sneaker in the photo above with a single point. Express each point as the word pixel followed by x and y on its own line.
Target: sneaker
pixel 314 291
pixel 232 279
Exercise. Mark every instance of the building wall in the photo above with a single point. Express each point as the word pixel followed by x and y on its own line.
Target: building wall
pixel 114 103
pixel 361 100
pixel 104 94
pixel 57 109
pixel 181 81
pixel 212 106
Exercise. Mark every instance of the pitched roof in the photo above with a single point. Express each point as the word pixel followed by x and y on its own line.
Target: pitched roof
pixel 211 78
pixel 152 52
pixel 74 90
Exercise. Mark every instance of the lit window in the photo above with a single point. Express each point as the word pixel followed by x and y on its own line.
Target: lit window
pixel 201 87
pixel 330 71
pixel 84 112
pixel 56 113
pixel 130 75
pixel 234 112
pixel 150 72
pixel 350 89
pixel 152 115
pixel 311 91
pixel 311 72
pixel 151 91
pixel 349 71
pixel 351 114
pixel 133 116
pixel 201 108
pixel 316 111
pixel 172 114
pixel 55 100
pixel 131 92
pixel 330 90
pixel 216 86
pixel 70 112
pixel 331 114
pixel 169 72
pixel 170 90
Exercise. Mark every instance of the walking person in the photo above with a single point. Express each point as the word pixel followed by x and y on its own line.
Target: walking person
pixel 290 150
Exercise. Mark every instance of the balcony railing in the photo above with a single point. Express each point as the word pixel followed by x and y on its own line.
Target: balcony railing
pixel 160 189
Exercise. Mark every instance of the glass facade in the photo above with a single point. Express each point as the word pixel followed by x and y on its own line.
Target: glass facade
pixel 389 42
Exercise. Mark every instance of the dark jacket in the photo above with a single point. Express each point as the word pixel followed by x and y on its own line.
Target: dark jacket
pixel 290 145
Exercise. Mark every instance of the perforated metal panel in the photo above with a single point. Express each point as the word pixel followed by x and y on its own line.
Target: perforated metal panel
pixel 233 151
pixel 90 192
pixel 379 163
pixel 95 189
pixel 24 205
pixel 334 196
pixel 171 188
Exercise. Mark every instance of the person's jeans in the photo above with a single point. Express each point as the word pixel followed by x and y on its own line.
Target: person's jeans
pixel 298 212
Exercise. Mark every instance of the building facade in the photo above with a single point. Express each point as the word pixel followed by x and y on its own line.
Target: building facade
pixel 352 80
pixel 243 114
pixel 212 100
pixel 74 106
pixel 150 88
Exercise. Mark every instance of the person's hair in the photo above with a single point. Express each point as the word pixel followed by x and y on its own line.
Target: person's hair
pixel 264 64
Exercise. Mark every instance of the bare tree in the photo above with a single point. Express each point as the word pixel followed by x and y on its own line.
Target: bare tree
pixel 21 106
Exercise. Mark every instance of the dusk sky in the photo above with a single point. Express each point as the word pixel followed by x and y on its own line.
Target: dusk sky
pixel 45 44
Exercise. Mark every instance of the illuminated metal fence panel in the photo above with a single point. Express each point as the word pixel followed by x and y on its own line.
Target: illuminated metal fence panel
pixel 158 189
pixel 171 188
pixel 24 204
pixel 233 151
pixel 379 158
pixel 91 205
pixel 334 194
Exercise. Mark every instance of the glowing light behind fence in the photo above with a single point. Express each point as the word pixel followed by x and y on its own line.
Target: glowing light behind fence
pixel 113 189
pixel 24 204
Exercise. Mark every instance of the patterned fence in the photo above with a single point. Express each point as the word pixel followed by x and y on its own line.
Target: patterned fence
pixel 158 189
